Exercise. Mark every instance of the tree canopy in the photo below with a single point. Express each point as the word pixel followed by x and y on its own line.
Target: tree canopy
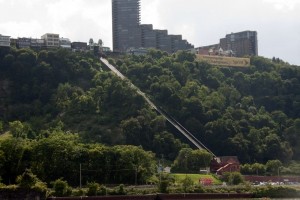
pixel 252 113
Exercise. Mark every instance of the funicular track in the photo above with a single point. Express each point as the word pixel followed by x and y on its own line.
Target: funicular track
pixel 168 117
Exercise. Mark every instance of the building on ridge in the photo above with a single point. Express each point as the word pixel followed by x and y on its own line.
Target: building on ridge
pixel 37 44
pixel 242 43
pixel 235 44
pixel 23 42
pixel 148 36
pixel 129 34
pixel 51 40
pixel 4 41
pixel 65 43
pixel 79 46
pixel 126 24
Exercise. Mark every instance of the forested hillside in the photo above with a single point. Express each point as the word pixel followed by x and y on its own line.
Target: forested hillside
pixel 252 113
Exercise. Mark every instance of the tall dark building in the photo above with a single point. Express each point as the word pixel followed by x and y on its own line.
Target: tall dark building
pixel 126 24
pixel 148 36
pixel 128 33
pixel 241 43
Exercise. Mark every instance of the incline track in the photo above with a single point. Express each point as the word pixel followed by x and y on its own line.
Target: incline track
pixel 168 117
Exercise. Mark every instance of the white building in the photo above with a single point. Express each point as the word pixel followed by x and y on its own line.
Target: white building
pixel 51 40
pixel 37 43
pixel 65 43
pixel 4 41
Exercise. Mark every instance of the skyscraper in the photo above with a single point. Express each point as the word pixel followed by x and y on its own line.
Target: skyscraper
pixel 241 43
pixel 126 24
pixel 128 33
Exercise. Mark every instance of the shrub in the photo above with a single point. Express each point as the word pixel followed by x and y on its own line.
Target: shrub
pixel 276 192
pixel 78 192
pixel 199 189
pixel 93 189
pixel 121 190
pixel 30 181
pixel 40 187
pixel 102 190
pixel 233 178
pixel 27 179
pixel 117 191
pixel 1 126
pixel 163 186
pixel 61 188
pixel 164 183
pixel 152 180
pixel 187 184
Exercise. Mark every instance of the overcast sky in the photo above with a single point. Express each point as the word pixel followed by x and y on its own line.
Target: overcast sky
pixel 201 22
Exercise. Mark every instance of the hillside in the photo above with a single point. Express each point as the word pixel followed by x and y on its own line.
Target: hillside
pixel 253 113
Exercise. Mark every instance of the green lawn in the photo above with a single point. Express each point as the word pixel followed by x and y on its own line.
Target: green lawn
pixel 195 177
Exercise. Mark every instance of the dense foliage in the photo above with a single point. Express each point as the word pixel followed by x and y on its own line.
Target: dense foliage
pixel 61 154
pixel 60 88
pixel 252 113
pixel 189 160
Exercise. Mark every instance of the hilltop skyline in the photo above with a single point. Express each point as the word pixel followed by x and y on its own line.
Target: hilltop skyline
pixel 201 23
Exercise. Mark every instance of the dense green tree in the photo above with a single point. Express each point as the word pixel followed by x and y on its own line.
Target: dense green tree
pixel 164 143
pixel 292 134
pixel 93 189
pixel 1 126
pixel 53 157
pixel 258 168
pixel 273 166
pixel 233 178
pixel 189 160
pixel 28 180
pixel 61 188
pixel 182 56
pixel 14 156
pixel 255 169
pixel 187 184
pixel 19 129
pixel 251 112
pixel 137 164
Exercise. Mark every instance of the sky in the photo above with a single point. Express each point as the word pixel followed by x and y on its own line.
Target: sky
pixel 201 22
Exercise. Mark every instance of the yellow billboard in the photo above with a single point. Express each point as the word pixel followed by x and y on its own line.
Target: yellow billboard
pixel 225 61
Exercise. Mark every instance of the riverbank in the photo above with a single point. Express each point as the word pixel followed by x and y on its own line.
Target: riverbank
pixel 150 193
pixel 162 197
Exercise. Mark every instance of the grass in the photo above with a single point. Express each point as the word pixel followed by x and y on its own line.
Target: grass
pixel 195 177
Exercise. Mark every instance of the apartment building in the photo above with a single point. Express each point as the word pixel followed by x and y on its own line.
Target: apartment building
pixel 65 43
pixel 125 23
pixel 129 34
pixel 79 46
pixel 23 42
pixel 37 43
pixel 29 43
pixel 4 41
pixel 235 44
pixel 51 40
pixel 242 43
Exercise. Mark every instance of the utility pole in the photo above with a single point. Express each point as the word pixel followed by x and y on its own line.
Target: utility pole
pixel 135 180
pixel 80 175
pixel 159 171
pixel 162 159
